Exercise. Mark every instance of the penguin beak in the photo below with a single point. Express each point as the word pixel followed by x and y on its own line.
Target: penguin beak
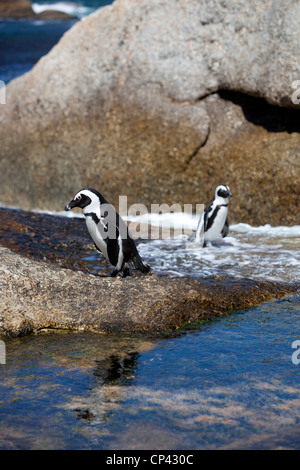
pixel 229 194
pixel 70 205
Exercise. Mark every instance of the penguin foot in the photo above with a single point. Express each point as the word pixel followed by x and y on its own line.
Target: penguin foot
pixel 126 272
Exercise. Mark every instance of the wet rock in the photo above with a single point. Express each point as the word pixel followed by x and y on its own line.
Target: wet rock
pixel 49 15
pixel 35 296
pixel 131 101
pixel 23 9
pixel 16 9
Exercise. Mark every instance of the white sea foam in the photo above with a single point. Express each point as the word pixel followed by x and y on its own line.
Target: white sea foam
pixel 268 230
pixel 263 252
pixel 177 220
pixel 67 7
pixel 69 214
pixel 231 257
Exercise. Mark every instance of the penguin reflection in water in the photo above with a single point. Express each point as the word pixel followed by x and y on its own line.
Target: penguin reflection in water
pixel 214 220
pixel 109 232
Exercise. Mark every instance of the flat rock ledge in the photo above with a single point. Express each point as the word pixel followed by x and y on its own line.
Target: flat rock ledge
pixel 35 296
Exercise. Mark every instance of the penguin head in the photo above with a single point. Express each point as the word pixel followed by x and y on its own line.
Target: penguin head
pixel 223 191
pixel 85 197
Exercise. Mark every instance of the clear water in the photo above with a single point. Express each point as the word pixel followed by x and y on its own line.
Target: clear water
pixel 228 384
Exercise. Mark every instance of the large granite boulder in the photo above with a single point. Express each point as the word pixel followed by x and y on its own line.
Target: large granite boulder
pixel 147 99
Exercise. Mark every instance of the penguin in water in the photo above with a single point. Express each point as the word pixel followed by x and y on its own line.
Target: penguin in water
pixel 108 231
pixel 214 220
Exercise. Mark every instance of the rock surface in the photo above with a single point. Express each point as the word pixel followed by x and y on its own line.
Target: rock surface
pixel 131 101
pixel 49 15
pixel 16 9
pixel 36 296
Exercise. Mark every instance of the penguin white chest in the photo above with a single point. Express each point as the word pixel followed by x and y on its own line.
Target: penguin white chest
pixel 96 235
pixel 217 223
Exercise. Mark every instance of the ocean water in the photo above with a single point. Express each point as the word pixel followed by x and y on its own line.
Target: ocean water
pixel 23 42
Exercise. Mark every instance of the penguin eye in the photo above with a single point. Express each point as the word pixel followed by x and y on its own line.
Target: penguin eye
pixel 78 197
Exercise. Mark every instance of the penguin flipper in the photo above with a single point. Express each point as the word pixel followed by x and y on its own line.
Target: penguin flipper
pixel 225 229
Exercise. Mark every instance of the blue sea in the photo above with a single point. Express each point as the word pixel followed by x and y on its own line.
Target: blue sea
pixel 23 41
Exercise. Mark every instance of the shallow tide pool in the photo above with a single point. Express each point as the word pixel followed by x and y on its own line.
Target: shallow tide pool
pixel 229 383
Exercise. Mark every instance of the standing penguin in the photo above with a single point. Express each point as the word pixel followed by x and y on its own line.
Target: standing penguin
pixel 108 231
pixel 214 220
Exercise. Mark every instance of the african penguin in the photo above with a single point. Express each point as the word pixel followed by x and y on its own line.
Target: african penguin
pixel 108 231
pixel 214 220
